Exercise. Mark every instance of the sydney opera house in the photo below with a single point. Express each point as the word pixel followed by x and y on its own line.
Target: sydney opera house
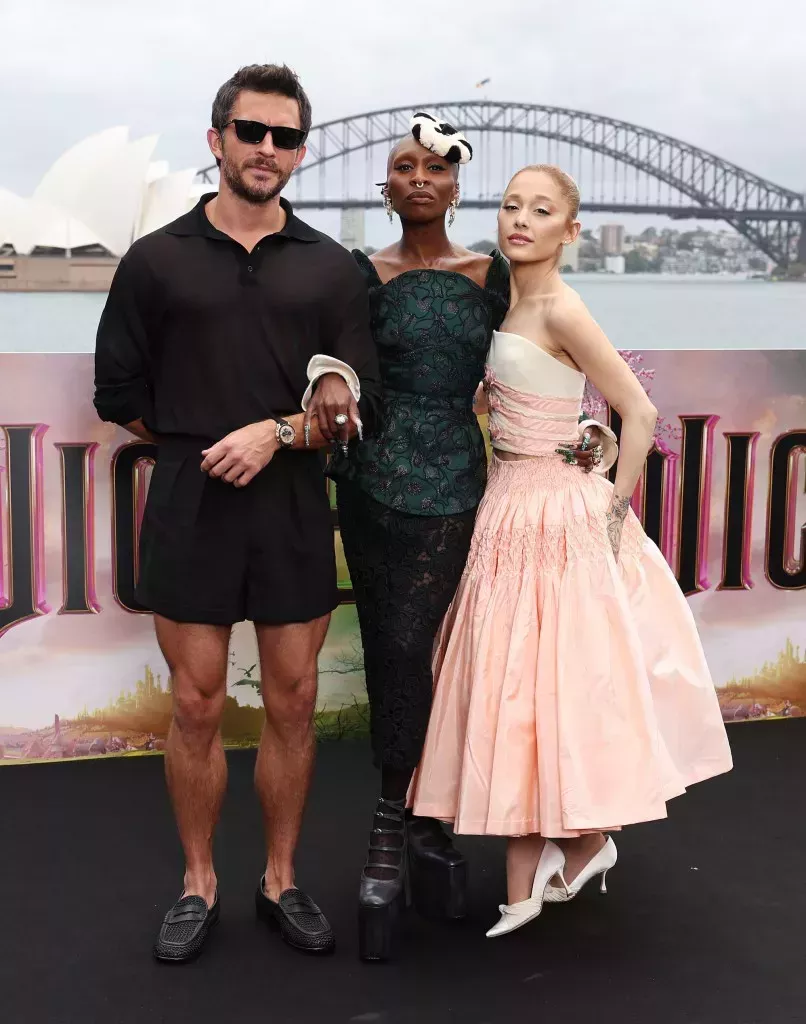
pixel 96 199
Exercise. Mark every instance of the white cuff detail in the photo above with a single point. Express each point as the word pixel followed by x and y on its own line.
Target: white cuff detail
pixel 322 364
pixel 609 444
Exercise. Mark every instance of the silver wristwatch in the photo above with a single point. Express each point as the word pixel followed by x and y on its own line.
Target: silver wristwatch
pixel 285 434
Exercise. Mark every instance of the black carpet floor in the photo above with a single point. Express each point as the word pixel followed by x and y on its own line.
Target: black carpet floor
pixel 704 924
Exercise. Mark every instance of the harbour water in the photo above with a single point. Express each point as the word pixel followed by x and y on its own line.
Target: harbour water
pixel 636 311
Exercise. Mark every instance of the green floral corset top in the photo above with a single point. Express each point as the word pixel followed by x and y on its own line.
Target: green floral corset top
pixel 433 329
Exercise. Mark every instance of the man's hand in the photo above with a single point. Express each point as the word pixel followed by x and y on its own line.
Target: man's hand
pixel 241 455
pixel 587 453
pixel 331 398
pixel 139 429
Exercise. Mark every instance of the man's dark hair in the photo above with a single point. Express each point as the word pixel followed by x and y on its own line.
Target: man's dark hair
pixel 276 78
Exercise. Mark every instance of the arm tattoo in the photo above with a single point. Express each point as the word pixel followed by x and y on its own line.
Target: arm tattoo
pixel 616 515
pixel 618 508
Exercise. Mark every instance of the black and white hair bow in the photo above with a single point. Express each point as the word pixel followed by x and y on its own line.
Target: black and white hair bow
pixel 441 138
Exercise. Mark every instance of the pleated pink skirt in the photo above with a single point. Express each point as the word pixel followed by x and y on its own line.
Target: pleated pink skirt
pixel 571 692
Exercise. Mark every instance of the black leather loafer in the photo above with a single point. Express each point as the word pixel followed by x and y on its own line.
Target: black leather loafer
pixel 185 929
pixel 300 922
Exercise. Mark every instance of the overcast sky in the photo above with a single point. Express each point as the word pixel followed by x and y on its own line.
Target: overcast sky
pixel 728 75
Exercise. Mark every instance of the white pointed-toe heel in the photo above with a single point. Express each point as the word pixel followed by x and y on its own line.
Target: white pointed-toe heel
pixel 604 860
pixel 515 915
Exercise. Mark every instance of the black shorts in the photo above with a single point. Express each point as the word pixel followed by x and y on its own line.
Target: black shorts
pixel 214 553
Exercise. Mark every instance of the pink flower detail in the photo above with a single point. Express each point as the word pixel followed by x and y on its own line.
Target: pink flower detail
pixel 595 407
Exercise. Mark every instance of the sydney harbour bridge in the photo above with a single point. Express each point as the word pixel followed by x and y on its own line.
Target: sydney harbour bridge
pixel 621 168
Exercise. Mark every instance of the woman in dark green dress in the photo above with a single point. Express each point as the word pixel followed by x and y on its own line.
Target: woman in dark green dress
pixel 407 499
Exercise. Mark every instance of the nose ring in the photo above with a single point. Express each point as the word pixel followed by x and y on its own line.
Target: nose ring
pixel 419 184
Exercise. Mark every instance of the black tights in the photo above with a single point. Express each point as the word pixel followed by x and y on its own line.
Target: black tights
pixel 405 570
pixel 395 783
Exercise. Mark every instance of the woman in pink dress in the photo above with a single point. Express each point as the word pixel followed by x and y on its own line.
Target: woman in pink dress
pixel 535 733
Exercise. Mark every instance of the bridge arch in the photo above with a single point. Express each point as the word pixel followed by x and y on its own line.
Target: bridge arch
pixel 701 185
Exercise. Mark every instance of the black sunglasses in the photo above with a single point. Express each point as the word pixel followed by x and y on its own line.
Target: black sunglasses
pixel 254 132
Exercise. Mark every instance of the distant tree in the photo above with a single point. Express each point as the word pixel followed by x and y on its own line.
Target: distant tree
pixel 635 263
pixel 648 235
pixel 757 263
pixel 485 246
pixel 714 248
pixel 566 268
pixel 369 250
pixel 587 234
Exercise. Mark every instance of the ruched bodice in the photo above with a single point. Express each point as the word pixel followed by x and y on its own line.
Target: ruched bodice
pixel 534 400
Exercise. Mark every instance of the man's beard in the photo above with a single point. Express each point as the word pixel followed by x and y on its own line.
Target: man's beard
pixel 258 194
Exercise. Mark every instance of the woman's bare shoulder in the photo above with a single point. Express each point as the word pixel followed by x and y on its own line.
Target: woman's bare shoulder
pixel 388 256
pixel 475 265
pixel 567 307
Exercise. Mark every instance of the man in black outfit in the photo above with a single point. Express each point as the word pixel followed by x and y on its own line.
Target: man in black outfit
pixel 214 328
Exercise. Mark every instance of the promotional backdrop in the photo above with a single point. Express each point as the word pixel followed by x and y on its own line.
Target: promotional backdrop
pixel 80 671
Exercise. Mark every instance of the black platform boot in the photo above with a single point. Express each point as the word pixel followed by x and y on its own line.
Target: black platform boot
pixel 382 899
pixel 437 871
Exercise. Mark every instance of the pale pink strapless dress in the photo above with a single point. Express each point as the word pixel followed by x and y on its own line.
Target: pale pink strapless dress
pixel 571 691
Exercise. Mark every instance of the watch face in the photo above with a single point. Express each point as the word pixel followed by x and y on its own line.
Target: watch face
pixel 286 433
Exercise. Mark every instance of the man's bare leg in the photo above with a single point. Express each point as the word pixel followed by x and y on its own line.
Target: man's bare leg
pixel 195 768
pixel 288 668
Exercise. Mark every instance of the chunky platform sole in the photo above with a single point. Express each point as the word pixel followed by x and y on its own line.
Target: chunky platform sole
pixel 439 889
pixel 378 929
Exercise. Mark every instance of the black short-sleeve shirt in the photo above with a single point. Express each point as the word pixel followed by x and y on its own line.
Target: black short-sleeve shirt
pixel 200 337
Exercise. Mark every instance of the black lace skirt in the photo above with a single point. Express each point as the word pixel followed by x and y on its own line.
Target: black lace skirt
pixel 405 570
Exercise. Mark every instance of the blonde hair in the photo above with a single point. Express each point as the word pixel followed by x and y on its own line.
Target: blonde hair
pixel 566 184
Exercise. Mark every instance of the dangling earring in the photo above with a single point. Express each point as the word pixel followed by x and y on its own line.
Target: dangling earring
pixel 453 207
pixel 387 205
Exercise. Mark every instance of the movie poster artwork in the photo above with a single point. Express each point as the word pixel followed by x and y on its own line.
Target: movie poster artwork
pixel 80 671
